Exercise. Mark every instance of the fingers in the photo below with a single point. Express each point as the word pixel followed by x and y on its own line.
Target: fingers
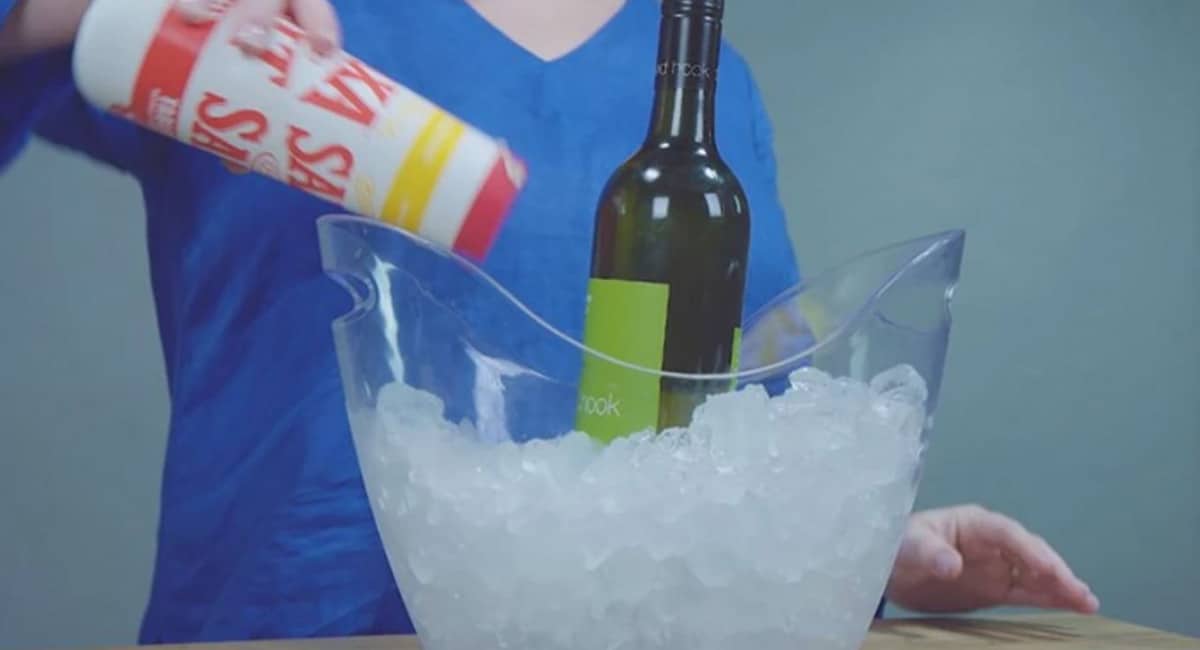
pixel 1044 577
pixel 318 19
pixel 1051 599
pixel 255 19
pixel 1023 597
pixel 925 553
pixel 995 531
pixel 1059 591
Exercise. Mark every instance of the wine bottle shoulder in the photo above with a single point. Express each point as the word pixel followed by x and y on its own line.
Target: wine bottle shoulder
pixel 676 173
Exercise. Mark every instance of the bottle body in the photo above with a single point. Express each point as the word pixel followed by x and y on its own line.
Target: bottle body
pixel 669 251
pixel 333 127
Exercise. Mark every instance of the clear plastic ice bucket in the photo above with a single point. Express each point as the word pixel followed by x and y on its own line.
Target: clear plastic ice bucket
pixel 771 521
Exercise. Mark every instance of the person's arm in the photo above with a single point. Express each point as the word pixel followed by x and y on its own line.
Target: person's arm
pixel 37 89
pixel 38 94
pixel 35 26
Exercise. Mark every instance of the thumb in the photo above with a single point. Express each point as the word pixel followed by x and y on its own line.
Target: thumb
pixel 927 553
pixel 254 20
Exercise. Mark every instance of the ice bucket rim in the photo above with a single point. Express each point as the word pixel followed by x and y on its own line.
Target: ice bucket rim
pixel 928 245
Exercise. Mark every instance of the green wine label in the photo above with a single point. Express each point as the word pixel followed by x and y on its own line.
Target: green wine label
pixel 626 320
pixel 736 356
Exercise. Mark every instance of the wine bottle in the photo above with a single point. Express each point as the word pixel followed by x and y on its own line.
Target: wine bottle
pixel 672 233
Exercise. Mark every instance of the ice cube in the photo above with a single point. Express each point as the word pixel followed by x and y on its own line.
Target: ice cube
pixel 901 383
pixel 767 523
pixel 809 379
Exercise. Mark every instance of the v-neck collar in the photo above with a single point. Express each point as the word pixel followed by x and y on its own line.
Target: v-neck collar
pixel 595 42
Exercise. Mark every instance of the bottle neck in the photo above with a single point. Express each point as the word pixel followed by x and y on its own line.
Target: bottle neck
pixel 685 80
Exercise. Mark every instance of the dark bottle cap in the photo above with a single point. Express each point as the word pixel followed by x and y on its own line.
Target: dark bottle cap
pixel 707 8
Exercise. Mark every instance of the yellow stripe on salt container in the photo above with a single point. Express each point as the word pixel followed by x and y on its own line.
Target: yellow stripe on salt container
pixel 419 172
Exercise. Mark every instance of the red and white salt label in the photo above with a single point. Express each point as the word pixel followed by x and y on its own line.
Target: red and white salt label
pixel 333 127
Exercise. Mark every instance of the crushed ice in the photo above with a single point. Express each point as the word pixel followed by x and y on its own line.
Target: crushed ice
pixel 771 522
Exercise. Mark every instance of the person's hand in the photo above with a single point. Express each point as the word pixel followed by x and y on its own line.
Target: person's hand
pixel 254 19
pixel 38 25
pixel 316 17
pixel 967 558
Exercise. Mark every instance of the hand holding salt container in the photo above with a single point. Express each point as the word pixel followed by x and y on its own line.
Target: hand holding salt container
pixel 331 126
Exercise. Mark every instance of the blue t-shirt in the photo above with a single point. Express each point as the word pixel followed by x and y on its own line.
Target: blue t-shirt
pixel 265 527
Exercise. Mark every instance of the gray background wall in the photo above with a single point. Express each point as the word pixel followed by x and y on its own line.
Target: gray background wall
pixel 1064 135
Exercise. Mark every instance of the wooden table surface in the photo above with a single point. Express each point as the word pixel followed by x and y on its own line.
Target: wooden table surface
pixel 1036 632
